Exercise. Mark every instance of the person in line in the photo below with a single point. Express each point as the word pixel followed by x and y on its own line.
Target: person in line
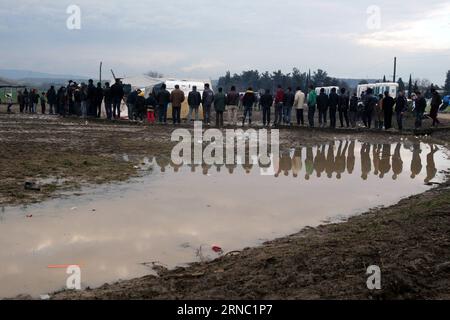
pixel 26 100
pixel 353 111
pixel 219 107
pixel 34 100
pixel 370 101
pixel 108 101
pixel 232 104
pixel 333 101
pixel 92 98
pixel 77 100
pixel 312 101
pixel 43 100
pixel 379 113
pixel 322 105
pixel 420 106
pixel 207 102
pixel 140 107
pixel 194 100
pixel 266 102
pixel 20 101
pixel 117 94
pixel 131 102
pixel 163 99
pixel 299 101
pixel 9 100
pixel 99 94
pixel 279 98
pixel 401 106
pixel 70 103
pixel 51 99
pixel 343 108
pixel 248 101
pixel 436 102
pixel 84 100
pixel 176 99
pixel 62 101
pixel 288 103
pixel 388 109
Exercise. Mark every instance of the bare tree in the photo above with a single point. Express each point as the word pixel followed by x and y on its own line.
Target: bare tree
pixel 154 74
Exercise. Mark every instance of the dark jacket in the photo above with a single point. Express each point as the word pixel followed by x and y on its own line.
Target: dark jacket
pixel 51 96
pixel 117 91
pixel 151 101
pixel 132 97
pixel 266 100
pixel 194 98
pixel 249 99
pixel 163 97
pixel 140 104
pixel 333 100
pixel 401 105
pixel 208 97
pixel 108 95
pixel 92 93
pixel 370 101
pixel 219 101
pixel 388 104
pixel 288 99
pixel 322 101
pixel 99 95
pixel 343 102
pixel 421 105
pixel 232 98
pixel 354 104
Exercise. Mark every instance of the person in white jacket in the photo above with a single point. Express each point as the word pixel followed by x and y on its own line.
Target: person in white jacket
pixel 299 102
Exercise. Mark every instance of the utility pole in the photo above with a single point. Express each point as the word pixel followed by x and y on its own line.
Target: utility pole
pixel 395 67
pixel 100 76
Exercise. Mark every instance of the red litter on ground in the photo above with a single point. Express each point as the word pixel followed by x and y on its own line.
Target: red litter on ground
pixel 29 216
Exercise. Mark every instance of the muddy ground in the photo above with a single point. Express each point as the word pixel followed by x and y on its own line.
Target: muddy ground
pixel 409 241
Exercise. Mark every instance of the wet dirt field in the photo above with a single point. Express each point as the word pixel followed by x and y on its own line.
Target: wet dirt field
pixel 170 216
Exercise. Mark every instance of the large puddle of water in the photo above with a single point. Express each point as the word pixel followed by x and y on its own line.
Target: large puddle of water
pixel 174 215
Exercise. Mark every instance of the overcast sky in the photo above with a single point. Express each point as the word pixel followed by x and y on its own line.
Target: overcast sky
pixel 203 39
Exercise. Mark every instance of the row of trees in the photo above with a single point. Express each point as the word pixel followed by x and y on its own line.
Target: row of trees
pixel 319 78
pixel 266 80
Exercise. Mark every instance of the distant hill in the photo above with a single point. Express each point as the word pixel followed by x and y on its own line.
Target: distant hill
pixel 15 74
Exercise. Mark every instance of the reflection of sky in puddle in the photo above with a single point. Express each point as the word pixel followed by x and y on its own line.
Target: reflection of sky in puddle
pixel 110 230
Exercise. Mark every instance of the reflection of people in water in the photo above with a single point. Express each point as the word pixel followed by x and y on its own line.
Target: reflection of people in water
pixel 431 166
pixel 162 162
pixel 205 168
pixel 416 163
pixel 297 162
pixel 351 157
pixel 376 150
pixel 176 167
pixel 319 160
pixel 385 161
pixel 397 162
pixel 329 163
pixel 340 159
pixel 365 161
pixel 285 162
pixel 309 163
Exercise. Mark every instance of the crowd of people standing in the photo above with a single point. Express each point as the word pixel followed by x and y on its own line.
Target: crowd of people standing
pixel 87 100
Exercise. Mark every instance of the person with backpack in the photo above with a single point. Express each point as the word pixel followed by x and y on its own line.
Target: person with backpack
pixel 194 101
pixel 207 101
